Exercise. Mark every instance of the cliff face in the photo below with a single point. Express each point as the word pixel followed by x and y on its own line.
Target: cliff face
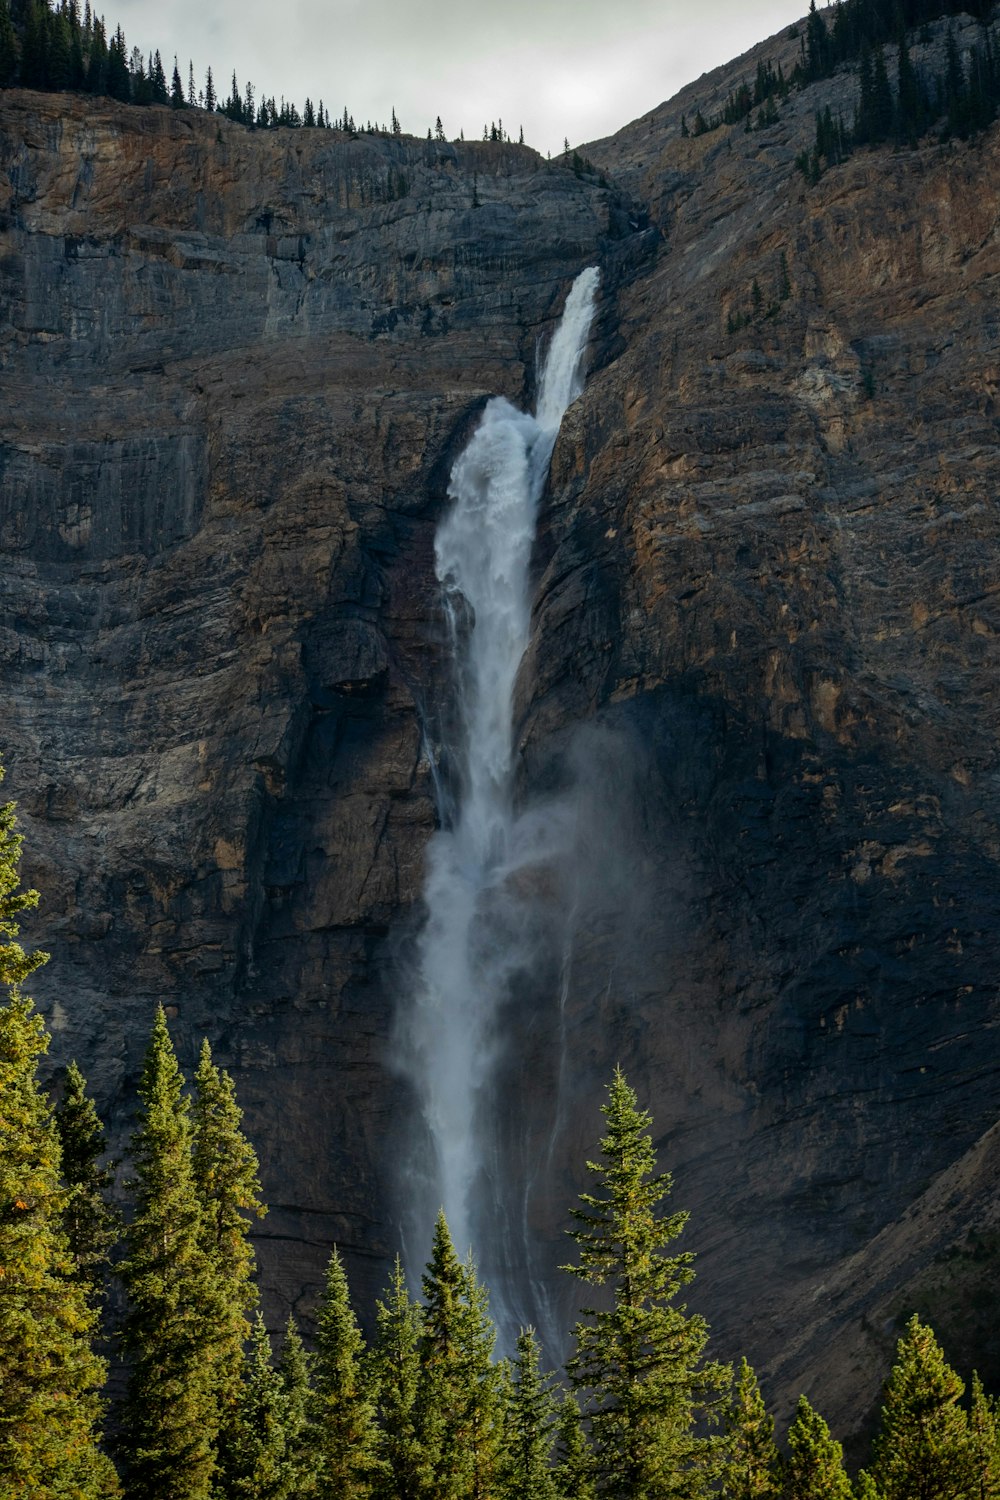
pixel 236 369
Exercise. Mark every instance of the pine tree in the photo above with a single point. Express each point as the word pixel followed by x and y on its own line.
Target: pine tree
pixel 59 67
pixel 396 1373
pixel 882 107
pixel 639 1362
pixel 461 1400
pixel 257 1458
pixel 984 1441
pixel 192 88
pixel 171 1421
pixel 8 47
pixel 210 98
pixel 344 1435
pixel 49 1375
pixel 814 1469
pixel 118 84
pixel 923 1451
pixel 34 47
pixel 92 1227
pixel 294 1368
pixel 527 1473
pixel 177 100
pixel 750 1469
pixel 15 964
pixel 574 1468
pixel 227 1187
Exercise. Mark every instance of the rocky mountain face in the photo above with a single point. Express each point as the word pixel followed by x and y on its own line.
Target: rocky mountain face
pixel 236 369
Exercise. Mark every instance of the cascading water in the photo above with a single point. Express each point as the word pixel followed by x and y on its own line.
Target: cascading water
pixel 470 949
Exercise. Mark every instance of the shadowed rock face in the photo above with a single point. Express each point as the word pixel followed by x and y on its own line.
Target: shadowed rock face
pixel 236 370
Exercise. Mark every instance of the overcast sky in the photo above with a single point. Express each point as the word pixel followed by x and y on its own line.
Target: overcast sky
pixel 561 68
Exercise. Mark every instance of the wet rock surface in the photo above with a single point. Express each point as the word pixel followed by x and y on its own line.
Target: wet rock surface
pixel 235 370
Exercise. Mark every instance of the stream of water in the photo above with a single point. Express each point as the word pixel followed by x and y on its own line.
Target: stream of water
pixel 469 952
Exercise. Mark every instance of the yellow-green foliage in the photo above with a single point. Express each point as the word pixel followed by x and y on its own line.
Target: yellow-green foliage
pixel 49 1376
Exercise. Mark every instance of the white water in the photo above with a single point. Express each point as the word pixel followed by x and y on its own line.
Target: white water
pixel 469 950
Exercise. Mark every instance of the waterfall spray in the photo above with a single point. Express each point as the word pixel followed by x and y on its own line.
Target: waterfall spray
pixel 467 953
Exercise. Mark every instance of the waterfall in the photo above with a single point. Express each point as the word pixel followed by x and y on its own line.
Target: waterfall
pixel 471 946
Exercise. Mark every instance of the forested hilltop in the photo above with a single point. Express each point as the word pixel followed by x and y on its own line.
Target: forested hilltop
pixel 426 1411
pixel 50 45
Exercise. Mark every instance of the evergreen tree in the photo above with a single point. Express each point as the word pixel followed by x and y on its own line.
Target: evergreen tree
pixel 177 100
pixel 574 1469
pixel 8 47
pixel 257 1456
pixel 923 1450
pixel 97 60
pixel 984 1441
pixel 92 1227
pixel 225 1176
pixel 814 1469
pixel 59 65
pixel 751 1466
pixel 910 111
pixel 460 1404
pixel 529 1430
pixel 344 1435
pixel 169 1434
pixel 15 964
pixel 882 106
pixel 865 1487
pixel 118 84
pixel 210 99
pixel 639 1362
pixel 192 89
pixel 34 47
pixel 396 1373
pixel 49 1375
pixel 294 1369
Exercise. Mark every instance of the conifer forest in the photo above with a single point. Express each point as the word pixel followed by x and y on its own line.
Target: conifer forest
pixel 426 1407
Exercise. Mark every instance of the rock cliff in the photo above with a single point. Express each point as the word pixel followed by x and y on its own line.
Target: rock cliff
pixel 236 369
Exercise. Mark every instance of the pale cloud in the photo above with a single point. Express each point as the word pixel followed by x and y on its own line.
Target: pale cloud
pixel 579 70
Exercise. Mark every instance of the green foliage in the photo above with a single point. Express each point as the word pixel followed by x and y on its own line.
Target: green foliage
pixel 751 1466
pixel 91 1226
pixel 8 47
pixel 15 964
pixel 574 1468
pixel 923 1450
pixel 984 1442
pixel 344 1437
pixel 814 1468
pixel 174 1300
pixel 404 1473
pixel 639 1362
pixel 49 1374
pixel 227 1186
pixel 258 1459
pixel 461 1399
pixel 294 1367
pixel 529 1433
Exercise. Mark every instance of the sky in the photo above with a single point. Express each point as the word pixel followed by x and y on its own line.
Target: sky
pixel 562 69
